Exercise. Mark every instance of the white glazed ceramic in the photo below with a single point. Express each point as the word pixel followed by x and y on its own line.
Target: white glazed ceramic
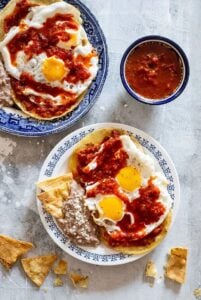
pixel 56 164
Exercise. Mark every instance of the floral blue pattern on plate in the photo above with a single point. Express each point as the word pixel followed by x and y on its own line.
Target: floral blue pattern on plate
pixel 16 122
pixel 56 163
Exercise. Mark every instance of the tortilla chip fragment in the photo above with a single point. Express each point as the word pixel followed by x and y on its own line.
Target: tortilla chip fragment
pixel 79 280
pixel 37 268
pixel 197 293
pixel 151 270
pixel 61 268
pixel 58 281
pixel 59 182
pixel 175 268
pixel 11 249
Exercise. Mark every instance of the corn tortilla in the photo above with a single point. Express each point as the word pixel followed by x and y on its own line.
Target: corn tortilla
pixel 96 137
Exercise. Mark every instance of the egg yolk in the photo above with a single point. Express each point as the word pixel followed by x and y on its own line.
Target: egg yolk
pixel 73 40
pixel 129 178
pixel 53 69
pixel 111 207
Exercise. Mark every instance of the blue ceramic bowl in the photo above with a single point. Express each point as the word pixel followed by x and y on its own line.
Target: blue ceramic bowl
pixel 176 48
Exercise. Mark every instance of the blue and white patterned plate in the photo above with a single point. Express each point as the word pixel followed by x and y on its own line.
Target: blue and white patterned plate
pixel 15 122
pixel 56 164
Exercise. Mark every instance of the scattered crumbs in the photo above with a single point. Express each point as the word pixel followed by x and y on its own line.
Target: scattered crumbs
pixel 125 105
pixel 102 108
pixel 58 281
pixel 43 141
pixel 38 143
pixel 61 267
pixel 79 280
pixel 197 293
pixel 150 269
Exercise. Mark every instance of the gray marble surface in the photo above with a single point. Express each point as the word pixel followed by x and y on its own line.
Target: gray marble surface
pixel 176 126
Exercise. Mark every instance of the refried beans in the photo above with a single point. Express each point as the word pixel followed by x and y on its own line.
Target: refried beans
pixel 78 223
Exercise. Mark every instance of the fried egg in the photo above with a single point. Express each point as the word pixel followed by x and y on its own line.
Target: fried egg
pixel 50 70
pixel 139 169
pixel 106 210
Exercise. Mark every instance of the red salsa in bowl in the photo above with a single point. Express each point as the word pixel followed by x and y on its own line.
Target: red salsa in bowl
pixel 154 71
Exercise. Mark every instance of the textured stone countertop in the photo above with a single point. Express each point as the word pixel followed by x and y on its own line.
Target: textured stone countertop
pixel 177 126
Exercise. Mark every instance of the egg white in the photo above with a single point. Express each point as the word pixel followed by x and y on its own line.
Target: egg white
pixel 39 14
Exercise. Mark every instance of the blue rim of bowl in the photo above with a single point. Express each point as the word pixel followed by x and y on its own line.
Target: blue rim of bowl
pixel 180 52
pixel 65 126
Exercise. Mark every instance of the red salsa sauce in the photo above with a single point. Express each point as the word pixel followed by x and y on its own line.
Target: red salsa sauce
pixel 145 241
pixel 146 210
pixel 109 160
pixel 19 13
pixel 107 186
pixel 41 106
pixel 44 39
pixel 153 70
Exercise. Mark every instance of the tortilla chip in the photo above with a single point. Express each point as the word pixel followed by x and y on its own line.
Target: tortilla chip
pixel 151 270
pixel 79 280
pixel 53 201
pixel 175 268
pixel 56 190
pixel 58 281
pixel 61 268
pixel 11 249
pixel 37 268
pixel 59 182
